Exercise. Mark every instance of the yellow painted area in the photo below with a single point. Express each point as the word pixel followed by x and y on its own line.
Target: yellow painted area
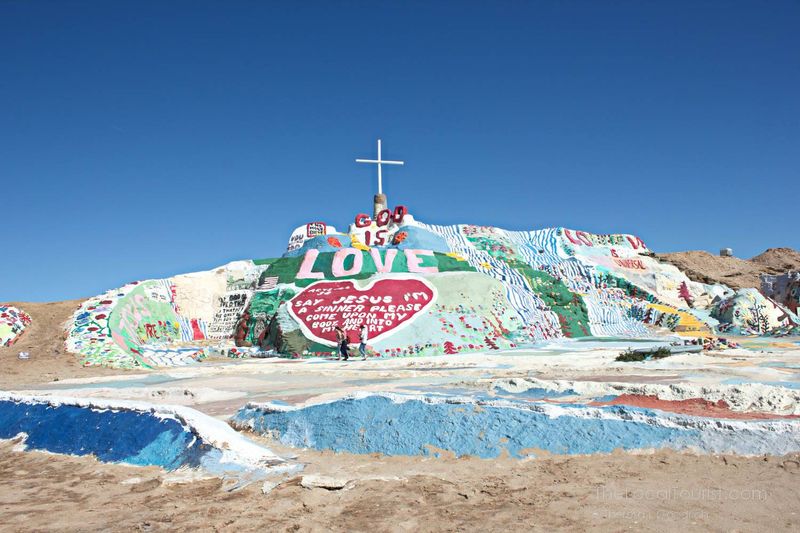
pixel 688 324
pixel 455 255
pixel 357 244
pixel 764 343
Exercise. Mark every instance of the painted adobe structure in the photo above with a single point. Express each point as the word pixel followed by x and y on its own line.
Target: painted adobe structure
pixel 421 289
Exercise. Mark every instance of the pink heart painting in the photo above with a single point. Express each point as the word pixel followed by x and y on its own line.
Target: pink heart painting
pixel 385 305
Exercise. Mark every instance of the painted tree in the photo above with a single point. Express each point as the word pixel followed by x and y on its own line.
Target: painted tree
pixel 449 348
pixel 683 292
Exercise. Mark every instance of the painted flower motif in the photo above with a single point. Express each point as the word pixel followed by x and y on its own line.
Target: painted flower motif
pixel 399 237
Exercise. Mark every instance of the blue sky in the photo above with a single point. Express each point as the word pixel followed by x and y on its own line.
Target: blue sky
pixel 150 138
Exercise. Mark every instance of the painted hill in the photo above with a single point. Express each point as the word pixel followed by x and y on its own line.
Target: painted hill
pixel 421 290
pixel 13 322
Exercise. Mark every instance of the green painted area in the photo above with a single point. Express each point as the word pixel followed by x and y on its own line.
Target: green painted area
pixel 570 307
pixel 293 342
pixel 495 248
pixel 267 303
pixel 138 320
pixel 286 268
pixel 284 336
pixel 606 279
pixel 263 307
pixel 451 264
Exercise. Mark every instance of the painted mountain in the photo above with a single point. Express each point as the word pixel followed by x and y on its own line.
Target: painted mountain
pixel 420 289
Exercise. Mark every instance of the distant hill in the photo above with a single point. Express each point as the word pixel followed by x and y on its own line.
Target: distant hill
pixel 703 267
pixel 779 260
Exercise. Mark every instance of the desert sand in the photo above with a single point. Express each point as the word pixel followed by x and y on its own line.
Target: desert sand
pixel 617 492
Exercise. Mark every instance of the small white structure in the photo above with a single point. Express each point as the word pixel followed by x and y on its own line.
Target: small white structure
pixel 726 252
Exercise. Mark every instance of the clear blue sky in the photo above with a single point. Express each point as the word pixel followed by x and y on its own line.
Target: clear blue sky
pixel 148 138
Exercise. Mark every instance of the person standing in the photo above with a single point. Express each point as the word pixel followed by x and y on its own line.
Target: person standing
pixel 363 336
pixel 341 339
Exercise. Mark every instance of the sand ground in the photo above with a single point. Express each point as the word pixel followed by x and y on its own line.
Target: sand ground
pixel 664 491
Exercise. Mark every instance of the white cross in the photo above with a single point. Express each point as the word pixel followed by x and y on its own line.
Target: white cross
pixel 379 162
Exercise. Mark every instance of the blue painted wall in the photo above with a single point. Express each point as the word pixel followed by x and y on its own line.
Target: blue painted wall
pixel 377 424
pixel 124 436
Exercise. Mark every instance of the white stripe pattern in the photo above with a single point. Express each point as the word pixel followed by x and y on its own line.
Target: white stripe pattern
pixel 607 308
pixel 532 309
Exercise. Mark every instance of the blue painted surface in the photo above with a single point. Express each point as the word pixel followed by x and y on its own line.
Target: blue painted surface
pixel 780 364
pixel 124 436
pixel 321 243
pixel 378 424
pixel 536 393
pixel 420 238
pixel 382 424
pixel 605 398
pixel 785 384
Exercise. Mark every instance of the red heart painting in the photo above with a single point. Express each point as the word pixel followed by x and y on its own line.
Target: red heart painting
pixel 385 305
